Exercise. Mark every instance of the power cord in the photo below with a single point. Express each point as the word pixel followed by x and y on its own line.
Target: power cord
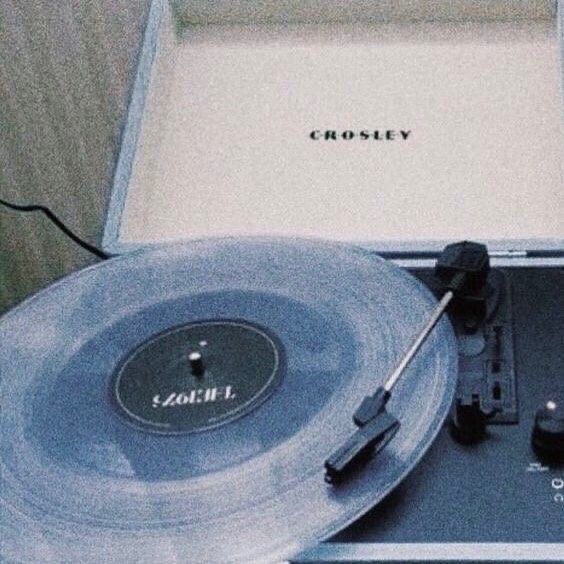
pixel 54 219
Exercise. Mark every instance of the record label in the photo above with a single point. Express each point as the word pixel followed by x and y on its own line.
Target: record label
pixel 198 376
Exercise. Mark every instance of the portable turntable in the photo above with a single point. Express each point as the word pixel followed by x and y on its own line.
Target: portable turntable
pixel 332 326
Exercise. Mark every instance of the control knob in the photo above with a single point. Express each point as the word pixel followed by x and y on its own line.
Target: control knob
pixel 548 432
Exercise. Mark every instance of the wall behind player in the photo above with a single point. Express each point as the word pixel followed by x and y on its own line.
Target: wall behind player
pixel 65 73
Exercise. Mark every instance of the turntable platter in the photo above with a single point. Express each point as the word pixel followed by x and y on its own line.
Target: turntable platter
pixel 178 403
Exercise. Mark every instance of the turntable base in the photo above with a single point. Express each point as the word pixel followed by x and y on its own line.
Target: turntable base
pixel 491 501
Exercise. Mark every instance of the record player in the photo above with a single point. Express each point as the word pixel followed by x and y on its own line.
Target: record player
pixel 332 326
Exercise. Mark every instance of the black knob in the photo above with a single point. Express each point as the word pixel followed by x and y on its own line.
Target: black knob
pixel 548 432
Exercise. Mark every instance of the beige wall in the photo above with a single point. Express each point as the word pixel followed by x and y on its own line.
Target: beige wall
pixel 66 68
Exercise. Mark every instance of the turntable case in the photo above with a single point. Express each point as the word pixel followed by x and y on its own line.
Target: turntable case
pixel 387 124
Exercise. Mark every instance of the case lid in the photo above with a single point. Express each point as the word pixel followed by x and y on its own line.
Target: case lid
pixel 391 132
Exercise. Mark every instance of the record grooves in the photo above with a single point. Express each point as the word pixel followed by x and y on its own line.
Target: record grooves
pixel 320 325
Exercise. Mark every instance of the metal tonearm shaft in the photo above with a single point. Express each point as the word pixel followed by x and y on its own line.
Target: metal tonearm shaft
pixel 418 341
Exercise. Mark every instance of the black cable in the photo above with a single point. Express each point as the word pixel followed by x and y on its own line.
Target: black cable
pixel 53 218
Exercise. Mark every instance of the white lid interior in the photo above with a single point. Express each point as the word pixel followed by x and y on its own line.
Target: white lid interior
pixel 225 147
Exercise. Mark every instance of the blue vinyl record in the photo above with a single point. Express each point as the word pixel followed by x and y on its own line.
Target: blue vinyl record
pixel 117 446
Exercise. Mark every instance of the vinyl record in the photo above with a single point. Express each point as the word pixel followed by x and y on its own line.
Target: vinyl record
pixel 117 445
